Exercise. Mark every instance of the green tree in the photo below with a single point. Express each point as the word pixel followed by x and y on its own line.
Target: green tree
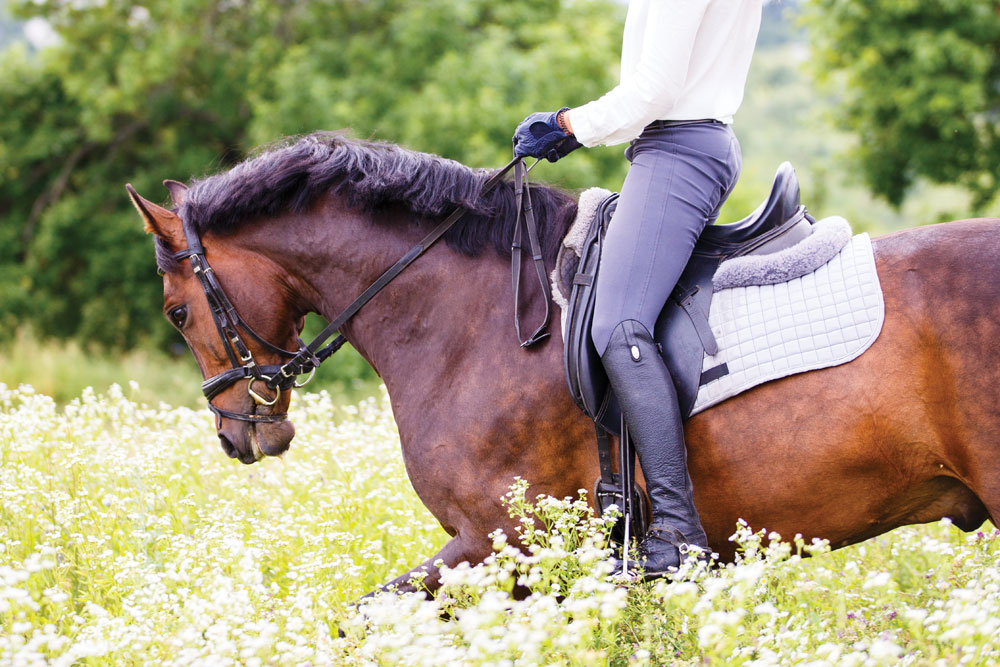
pixel 921 89
pixel 166 89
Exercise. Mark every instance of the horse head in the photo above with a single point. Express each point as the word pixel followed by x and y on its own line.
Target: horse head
pixel 236 329
pixel 311 226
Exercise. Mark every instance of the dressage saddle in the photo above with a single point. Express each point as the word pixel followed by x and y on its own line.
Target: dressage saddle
pixel 682 330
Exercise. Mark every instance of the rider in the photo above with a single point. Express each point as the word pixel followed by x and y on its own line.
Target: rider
pixel 683 70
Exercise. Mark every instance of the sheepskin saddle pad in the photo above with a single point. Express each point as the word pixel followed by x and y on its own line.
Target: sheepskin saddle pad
pixel 774 306
pixel 822 318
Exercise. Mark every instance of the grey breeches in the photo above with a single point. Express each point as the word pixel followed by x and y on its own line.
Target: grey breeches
pixel 678 180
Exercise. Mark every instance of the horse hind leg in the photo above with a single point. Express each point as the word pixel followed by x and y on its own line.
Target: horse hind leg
pixel 989 498
pixel 936 498
pixel 952 498
pixel 963 507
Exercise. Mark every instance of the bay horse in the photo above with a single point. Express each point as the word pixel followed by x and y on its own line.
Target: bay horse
pixel 907 433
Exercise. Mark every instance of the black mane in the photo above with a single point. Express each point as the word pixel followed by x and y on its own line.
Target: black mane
pixel 293 176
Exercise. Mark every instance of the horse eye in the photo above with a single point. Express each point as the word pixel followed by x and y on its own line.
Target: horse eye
pixel 178 316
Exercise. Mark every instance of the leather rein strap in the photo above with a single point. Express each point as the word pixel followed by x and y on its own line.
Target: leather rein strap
pixel 308 357
pixel 312 355
pixel 522 199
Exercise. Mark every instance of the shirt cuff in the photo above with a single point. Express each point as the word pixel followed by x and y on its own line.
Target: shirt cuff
pixel 583 128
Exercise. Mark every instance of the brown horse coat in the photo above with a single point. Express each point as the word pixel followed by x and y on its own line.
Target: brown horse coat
pixel 907 433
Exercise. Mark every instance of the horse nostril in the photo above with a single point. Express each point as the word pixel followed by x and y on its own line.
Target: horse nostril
pixel 227 446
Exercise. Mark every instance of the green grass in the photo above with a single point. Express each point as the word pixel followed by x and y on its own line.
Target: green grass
pixel 63 369
pixel 126 538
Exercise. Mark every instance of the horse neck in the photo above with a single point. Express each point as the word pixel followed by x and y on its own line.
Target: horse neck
pixel 413 326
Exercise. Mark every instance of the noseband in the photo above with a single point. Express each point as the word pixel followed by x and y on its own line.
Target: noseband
pixel 307 358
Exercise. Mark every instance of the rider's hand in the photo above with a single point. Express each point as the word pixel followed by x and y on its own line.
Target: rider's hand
pixel 539 135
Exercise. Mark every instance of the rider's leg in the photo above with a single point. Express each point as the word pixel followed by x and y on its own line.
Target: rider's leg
pixel 678 180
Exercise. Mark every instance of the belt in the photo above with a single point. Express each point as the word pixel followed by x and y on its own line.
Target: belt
pixel 664 124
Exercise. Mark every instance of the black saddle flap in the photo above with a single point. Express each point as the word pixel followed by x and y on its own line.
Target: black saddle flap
pixel 584 373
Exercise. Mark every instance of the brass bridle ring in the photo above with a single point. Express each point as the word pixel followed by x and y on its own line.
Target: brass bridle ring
pixel 260 400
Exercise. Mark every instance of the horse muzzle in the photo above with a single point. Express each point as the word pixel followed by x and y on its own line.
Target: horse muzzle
pixel 258 428
pixel 249 443
pixel 271 439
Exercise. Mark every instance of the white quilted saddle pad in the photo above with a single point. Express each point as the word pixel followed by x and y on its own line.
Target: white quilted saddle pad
pixel 825 318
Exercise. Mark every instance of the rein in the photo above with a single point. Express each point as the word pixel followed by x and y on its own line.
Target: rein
pixel 308 358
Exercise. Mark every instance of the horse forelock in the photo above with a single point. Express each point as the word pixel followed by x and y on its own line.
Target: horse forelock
pixel 165 260
pixel 292 176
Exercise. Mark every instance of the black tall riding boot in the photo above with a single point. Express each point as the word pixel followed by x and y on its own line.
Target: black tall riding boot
pixel 648 399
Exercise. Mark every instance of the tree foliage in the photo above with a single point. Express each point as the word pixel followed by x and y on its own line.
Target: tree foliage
pixel 170 89
pixel 178 88
pixel 921 89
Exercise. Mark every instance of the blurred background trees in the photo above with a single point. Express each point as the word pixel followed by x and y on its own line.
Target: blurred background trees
pixel 104 93
pixel 920 85
pixel 139 93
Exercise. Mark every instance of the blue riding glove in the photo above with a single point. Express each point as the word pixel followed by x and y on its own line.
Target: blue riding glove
pixel 540 136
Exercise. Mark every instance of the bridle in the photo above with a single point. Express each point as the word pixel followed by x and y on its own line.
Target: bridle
pixel 308 358
pixel 228 323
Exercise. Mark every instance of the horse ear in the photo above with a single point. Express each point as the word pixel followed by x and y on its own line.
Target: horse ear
pixel 178 191
pixel 156 219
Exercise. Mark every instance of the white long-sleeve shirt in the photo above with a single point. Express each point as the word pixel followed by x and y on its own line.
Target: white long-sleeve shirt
pixel 681 60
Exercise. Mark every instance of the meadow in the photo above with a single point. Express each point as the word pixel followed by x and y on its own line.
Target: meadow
pixel 127 537
pixel 62 369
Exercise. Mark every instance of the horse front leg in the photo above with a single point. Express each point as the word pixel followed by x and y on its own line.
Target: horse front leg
pixel 426 577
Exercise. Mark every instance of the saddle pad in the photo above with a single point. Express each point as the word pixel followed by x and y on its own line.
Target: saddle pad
pixel 824 318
